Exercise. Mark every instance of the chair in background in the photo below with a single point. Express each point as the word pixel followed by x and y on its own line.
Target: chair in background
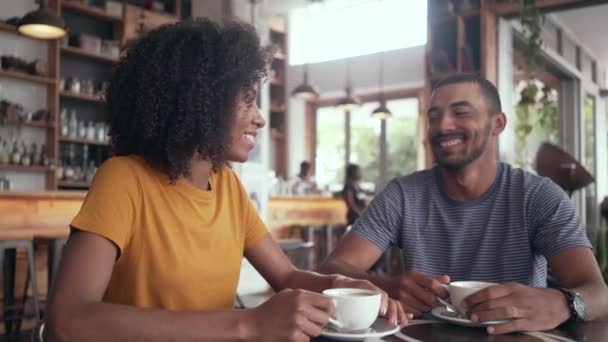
pixel 10 241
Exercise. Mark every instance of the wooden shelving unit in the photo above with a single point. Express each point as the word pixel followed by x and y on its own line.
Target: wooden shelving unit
pixel 37 124
pixel 86 54
pixel 73 185
pixel 93 12
pixel 82 97
pixel 27 77
pixel 81 19
pixel 21 168
pixel 278 101
pixel 4 27
pixel 83 141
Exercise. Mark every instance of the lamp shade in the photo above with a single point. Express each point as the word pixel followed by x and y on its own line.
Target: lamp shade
pixel 305 90
pixel 382 112
pixel 349 102
pixel 42 24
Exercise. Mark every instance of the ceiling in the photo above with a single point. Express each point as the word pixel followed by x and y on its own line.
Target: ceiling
pixel 589 25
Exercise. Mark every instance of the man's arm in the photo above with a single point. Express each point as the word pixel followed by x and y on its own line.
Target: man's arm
pixel 267 257
pixel 352 257
pixel 417 292
pixel 577 269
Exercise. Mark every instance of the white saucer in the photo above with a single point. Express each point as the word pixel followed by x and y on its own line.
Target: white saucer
pixel 444 314
pixel 380 328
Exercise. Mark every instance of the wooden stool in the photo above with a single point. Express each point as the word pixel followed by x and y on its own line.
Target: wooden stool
pixel 10 241
pixel 55 240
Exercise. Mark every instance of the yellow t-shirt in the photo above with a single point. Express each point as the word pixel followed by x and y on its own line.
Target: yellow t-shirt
pixel 180 247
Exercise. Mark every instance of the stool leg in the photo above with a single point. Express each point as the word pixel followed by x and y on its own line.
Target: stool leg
pixel 20 316
pixel 32 271
pixel 9 288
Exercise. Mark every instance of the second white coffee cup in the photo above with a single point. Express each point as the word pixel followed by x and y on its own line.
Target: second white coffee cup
pixel 460 290
pixel 356 309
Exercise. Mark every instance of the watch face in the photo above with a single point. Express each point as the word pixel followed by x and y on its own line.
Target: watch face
pixel 579 307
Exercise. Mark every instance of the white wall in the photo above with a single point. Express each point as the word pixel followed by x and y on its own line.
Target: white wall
pixel 31 95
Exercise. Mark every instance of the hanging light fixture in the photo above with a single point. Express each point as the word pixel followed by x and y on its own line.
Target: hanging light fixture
pixel 304 90
pixel 382 112
pixel 349 102
pixel 42 23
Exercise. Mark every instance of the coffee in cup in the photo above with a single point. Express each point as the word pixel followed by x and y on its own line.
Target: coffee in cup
pixel 356 309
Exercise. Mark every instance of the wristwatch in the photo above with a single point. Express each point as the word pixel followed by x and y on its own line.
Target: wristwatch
pixel 576 304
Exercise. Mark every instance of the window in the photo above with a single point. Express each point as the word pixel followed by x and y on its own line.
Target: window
pixel 330 159
pixel 401 137
pixel 339 29
pixel 589 130
pixel 365 137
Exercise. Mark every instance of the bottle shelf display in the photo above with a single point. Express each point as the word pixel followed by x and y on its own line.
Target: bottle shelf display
pixel 76 140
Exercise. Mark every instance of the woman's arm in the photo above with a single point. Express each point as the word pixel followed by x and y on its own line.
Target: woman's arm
pixel 268 258
pixel 77 313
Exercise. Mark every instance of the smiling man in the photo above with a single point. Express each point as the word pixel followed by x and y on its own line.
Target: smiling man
pixel 472 217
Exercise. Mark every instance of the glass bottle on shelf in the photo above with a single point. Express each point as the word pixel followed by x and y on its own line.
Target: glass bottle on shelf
pixel 64 122
pixel 35 155
pixel 73 125
pixel 15 154
pixel 44 156
pixel 90 131
pixel 26 159
pixel 82 129
pixel 3 151
pixel 91 171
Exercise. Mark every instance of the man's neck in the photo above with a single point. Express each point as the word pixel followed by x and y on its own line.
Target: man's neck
pixel 470 183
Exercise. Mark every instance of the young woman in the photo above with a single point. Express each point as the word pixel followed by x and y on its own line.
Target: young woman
pixel 156 248
pixel 352 193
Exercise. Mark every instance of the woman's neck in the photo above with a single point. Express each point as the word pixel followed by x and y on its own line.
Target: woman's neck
pixel 200 171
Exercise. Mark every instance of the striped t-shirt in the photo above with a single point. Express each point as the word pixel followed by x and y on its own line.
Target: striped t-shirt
pixel 504 236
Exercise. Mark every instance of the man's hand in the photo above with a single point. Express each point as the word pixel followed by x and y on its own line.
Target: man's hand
pixel 416 291
pixel 529 308
pixel 390 308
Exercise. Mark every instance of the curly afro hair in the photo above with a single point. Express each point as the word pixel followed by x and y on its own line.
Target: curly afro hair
pixel 176 90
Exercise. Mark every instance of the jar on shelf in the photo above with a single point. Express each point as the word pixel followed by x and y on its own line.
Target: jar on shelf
pixel 88 87
pixel 75 85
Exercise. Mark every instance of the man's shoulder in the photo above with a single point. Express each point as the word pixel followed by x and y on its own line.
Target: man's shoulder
pixel 526 180
pixel 416 178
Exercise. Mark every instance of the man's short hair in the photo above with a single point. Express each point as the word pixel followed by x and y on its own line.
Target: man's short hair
pixel 488 90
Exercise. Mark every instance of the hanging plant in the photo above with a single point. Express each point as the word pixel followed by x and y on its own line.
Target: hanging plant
pixel 526 110
pixel 547 115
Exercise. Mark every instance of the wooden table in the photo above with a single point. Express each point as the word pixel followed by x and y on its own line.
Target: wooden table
pixel 305 211
pixel 438 331
pixel 47 212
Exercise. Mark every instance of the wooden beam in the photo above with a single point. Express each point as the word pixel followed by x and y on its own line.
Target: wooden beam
pixel 373 96
pixel 511 7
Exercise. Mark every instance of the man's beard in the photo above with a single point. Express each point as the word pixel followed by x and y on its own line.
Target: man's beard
pixel 455 166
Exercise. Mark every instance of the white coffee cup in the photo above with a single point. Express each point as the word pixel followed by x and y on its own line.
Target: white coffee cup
pixel 356 309
pixel 460 290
